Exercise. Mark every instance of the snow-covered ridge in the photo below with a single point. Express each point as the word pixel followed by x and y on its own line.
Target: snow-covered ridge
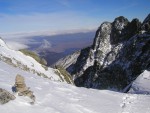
pixel 27 63
pixel 142 84
pixel 68 60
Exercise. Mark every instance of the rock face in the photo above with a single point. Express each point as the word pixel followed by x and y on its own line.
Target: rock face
pixel 146 24
pixel 5 96
pixel 120 52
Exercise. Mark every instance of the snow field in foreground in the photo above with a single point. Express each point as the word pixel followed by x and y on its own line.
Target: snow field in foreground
pixel 55 97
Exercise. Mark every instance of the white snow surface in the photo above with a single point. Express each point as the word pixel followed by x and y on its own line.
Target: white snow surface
pixel 142 84
pixel 17 56
pixel 58 97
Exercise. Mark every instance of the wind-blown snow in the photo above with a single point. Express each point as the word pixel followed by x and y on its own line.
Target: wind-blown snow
pixel 57 97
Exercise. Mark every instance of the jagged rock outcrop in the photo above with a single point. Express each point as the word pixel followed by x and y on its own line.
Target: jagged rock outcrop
pixel 146 24
pixel 129 62
pixel 120 52
pixel 5 96
pixel 119 29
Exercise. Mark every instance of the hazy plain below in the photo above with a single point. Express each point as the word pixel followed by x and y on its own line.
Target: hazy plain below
pixel 52 47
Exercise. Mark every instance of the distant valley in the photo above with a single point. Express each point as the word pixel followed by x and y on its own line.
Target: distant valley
pixel 54 47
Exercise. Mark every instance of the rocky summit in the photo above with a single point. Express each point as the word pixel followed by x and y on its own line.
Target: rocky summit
pixel 119 53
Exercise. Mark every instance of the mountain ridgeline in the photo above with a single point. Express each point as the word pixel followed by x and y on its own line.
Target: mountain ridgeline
pixel 30 62
pixel 119 53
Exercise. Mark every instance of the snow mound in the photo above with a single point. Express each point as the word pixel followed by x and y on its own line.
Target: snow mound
pixel 142 84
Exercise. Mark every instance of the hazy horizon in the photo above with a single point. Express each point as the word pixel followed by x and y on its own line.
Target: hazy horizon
pixel 61 15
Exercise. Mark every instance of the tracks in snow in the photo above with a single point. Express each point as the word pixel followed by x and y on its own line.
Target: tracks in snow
pixel 129 100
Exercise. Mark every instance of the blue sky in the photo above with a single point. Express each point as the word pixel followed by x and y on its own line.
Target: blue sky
pixel 58 15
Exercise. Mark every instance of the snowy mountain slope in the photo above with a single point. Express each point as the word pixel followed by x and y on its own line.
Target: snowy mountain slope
pixel 57 97
pixel 142 84
pixel 68 61
pixel 18 59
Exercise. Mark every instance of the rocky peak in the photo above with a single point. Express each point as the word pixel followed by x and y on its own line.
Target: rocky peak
pixel 113 32
pixel 118 27
pixel 120 23
pixel 101 34
pixel 135 24
pixel 105 29
pixel 147 19
pixel 105 46
pixel 133 28
pixel 146 24
pixel 119 53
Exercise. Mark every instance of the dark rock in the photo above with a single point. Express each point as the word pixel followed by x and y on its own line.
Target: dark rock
pixel 118 29
pixel 5 96
pixel 81 61
pixel 146 24
pixel 147 19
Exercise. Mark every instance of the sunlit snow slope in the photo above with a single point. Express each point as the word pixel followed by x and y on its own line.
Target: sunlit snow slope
pixel 142 84
pixel 27 63
pixel 57 97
